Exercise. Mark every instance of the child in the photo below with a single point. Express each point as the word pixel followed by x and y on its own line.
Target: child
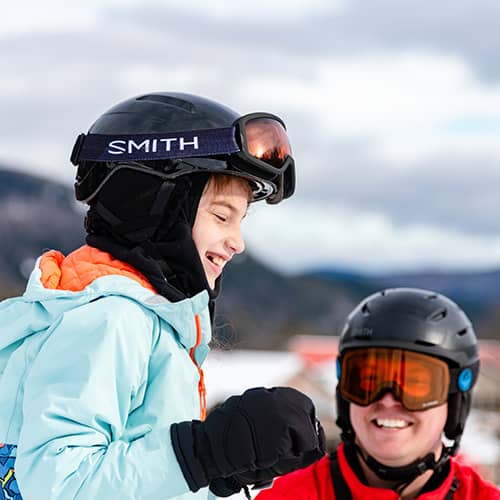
pixel 102 392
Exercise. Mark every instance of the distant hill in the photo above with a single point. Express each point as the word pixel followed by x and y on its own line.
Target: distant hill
pixel 259 307
pixel 36 214
pixel 267 307
pixel 478 293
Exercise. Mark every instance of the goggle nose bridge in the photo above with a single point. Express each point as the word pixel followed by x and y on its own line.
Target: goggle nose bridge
pixel 387 387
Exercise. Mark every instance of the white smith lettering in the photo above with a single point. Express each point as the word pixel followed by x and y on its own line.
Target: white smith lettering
pixel 120 147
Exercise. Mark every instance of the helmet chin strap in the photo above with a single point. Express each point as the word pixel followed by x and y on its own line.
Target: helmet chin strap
pixel 407 473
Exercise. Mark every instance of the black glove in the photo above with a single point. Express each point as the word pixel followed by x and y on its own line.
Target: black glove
pixel 253 437
pixel 263 478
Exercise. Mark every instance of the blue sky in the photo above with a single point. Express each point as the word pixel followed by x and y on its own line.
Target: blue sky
pixel 393 109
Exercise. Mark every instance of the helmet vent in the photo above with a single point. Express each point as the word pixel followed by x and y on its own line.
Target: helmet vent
pixel 432 296
pixel 365 310
pixel 462 332
pixel 438 315
pixel 424 343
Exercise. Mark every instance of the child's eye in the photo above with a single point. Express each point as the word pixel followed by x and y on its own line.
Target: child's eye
pixel 222 218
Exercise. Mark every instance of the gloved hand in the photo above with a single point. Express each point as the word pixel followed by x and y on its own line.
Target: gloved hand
pixel 263 478
pixel 253 437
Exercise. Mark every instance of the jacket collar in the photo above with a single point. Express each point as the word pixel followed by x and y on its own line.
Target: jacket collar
pixel 63 283
pixel 361 491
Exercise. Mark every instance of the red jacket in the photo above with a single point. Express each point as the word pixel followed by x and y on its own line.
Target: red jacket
pixel 315 483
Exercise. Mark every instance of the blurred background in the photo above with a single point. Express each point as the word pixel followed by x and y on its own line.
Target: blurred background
pixel 393 109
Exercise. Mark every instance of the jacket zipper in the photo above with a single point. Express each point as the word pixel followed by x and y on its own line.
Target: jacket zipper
pixel 202 392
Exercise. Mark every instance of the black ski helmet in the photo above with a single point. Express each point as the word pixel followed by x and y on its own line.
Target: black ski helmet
pixel 421 321
pixel 169 112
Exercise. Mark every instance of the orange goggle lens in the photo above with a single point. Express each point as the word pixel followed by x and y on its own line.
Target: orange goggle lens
pixel 267 141
pixel 417 380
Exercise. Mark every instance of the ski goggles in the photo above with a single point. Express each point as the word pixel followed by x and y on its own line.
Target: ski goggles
pixel 258 140
pixel 417 380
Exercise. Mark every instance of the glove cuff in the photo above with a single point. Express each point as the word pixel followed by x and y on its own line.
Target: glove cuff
pixel 183 443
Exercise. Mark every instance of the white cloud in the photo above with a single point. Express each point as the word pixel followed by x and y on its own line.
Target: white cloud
pixel 358 105
pixel 305 234
pixel 52 16
pixel 411 104
pixel 28 17
pixel 264 11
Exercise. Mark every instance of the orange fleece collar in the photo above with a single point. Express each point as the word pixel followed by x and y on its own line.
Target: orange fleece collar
pixel 83 266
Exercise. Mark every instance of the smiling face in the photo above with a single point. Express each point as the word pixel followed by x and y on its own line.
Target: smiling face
pixel 217 226
pixel 395 436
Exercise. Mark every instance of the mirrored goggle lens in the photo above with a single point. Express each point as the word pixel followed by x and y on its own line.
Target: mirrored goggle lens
pixel 266 140
pixel 417 380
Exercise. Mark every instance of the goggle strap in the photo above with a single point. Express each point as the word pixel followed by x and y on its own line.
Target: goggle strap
pixel 454 372
pixel 143 147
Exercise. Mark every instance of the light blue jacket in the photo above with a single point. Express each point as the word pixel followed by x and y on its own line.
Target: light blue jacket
pixel 90 383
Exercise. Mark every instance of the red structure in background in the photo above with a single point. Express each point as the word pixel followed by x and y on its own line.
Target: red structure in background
pixel 314 349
